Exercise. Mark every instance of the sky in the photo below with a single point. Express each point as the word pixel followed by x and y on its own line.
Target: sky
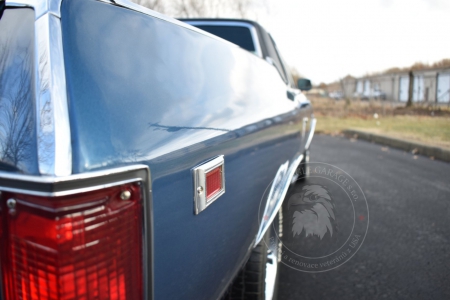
pixel 328 39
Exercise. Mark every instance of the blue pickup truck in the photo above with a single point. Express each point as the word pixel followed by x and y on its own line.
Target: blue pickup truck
pixel 140 157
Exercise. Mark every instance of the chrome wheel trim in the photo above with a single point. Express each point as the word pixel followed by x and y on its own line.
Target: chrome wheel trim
pixel 273 258
pixel 271 274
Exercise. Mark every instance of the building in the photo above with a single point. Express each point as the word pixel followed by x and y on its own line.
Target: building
pixel 429 86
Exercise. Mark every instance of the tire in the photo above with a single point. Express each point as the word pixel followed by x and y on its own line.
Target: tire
pixel 261 267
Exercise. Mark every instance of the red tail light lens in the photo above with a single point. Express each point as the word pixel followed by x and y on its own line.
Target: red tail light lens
pixel 84 246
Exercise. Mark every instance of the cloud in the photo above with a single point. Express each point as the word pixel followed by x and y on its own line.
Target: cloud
pixel 437 4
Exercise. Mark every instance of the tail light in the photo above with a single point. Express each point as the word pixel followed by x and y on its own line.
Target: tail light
pixel 85 245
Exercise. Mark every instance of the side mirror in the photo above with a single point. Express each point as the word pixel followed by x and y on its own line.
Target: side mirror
pixel 304 84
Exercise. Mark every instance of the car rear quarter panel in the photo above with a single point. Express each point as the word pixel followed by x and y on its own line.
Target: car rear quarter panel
pixel 146 90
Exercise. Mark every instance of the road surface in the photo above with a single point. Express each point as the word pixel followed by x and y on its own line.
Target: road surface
pixel 406 253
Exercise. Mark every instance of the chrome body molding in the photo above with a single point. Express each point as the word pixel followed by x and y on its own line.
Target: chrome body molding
pixel 40 7
pixel 278 191
pixel 200 200
pixel 305 123
pixel 311 133
pixel 252 29
pixel 73 184
pixel 52 115
pixel 46 186
pixel 54 146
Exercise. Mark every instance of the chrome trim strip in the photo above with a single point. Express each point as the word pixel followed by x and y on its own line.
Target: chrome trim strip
pixel 40 7
pixel 54 140
pixel 60 186
pixel 311 133
pixel 68 185
pixel 136 7
pixel 52 115
pixel 305 122
pixel 278 191
pixel 252 29
pixel 200 172
pixel 49 193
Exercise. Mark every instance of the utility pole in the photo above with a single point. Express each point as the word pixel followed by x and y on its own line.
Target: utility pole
pixel 410 89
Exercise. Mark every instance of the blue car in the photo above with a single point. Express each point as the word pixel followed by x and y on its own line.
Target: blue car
pixel 140 157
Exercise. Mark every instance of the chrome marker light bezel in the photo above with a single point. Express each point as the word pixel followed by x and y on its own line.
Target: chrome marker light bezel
pixel 200 172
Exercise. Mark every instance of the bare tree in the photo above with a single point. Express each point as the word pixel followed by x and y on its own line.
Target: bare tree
pixel 158 5
pixel 204 8
pixel 242 7
pixel 16 110
pixel 192 8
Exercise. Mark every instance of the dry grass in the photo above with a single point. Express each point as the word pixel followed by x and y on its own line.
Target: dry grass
pixel 430 125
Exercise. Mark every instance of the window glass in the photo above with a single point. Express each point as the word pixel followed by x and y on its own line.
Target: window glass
pixel 276 56
pixel 238 35
pixel 273 54
pixel 288 74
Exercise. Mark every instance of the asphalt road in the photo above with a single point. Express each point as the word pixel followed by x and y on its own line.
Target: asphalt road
pixel 406 253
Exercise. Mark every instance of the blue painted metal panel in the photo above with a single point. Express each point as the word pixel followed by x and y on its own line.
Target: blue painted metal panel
pixel 145 90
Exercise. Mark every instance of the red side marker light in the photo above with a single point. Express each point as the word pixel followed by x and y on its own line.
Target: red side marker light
pixel 213 182
pixel 209 183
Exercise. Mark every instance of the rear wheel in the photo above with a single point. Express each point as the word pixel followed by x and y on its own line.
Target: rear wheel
pixel 258 279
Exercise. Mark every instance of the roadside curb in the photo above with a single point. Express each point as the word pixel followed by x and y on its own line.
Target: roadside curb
pixel 417 148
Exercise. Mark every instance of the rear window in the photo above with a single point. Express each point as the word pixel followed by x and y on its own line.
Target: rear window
pixel 17 111
pixel 238 35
